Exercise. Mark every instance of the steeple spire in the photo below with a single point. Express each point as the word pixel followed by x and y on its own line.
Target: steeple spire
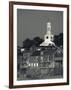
pixel 48 28
pixel 48 37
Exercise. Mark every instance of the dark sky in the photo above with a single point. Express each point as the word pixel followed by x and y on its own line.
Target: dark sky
pixel 32 23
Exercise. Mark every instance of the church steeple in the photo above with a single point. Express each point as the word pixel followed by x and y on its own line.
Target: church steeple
pixel 48 28
pixel 48 37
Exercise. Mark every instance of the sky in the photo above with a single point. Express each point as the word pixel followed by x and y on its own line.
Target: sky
pixel 32 23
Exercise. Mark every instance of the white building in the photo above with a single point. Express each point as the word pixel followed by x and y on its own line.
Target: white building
pixel 48 37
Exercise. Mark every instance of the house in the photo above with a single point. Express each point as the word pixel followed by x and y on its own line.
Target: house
pixel 45 59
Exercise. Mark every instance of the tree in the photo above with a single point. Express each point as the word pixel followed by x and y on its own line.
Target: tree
pixel 37 41
pixel 58 39
pixel 27 43
pixel 61 39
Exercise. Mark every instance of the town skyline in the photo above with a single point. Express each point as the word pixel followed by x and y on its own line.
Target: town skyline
pixel 37 26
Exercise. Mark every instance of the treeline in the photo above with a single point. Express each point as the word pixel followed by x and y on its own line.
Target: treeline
pixel 58 40
pixel 36 41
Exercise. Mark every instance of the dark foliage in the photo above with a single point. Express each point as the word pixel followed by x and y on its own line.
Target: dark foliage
pixel 18 50
pixel 58 39
pixel 29 43
pixel 37 41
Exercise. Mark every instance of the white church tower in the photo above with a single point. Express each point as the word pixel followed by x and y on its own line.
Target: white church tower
pixel 48 37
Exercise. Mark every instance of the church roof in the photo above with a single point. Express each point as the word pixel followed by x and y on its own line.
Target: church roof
pixel 47 43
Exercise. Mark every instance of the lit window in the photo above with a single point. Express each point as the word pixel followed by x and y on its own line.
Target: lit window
pixel 34 64
pixel 37 64
pixel 41 58
pixel 31 64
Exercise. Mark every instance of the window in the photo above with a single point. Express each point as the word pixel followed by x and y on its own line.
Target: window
pixel 29 64
pixel 37 64
pixel 33 64
pixel 47 37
